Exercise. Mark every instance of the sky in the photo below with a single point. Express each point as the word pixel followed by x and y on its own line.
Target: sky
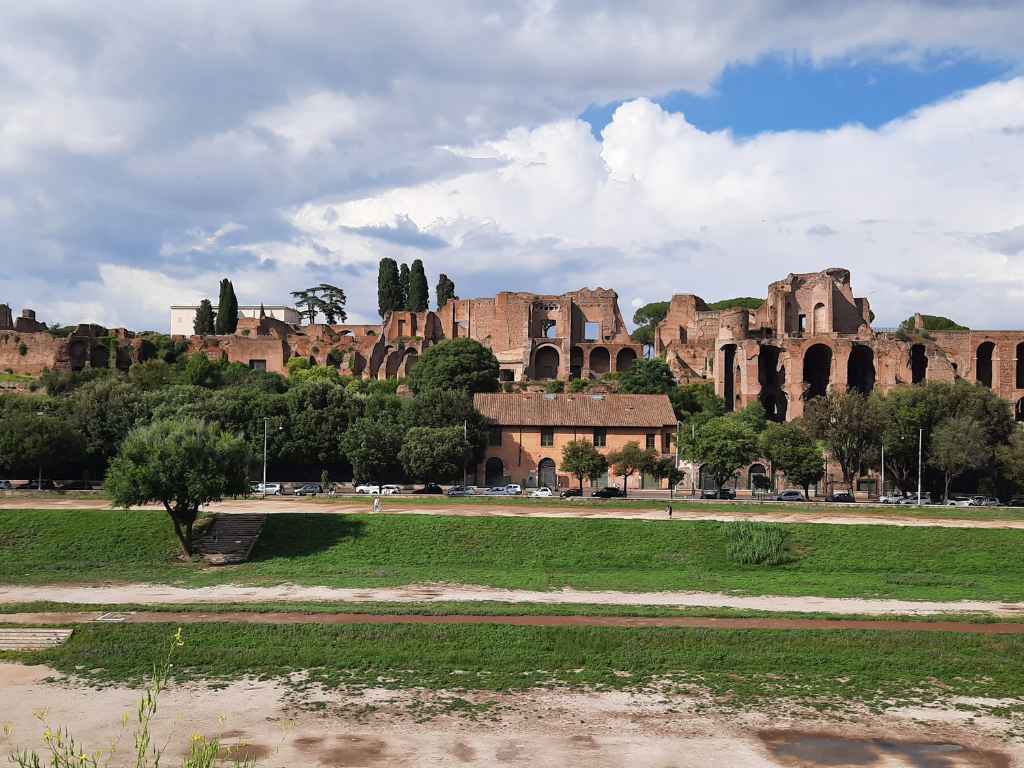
pixel 149 149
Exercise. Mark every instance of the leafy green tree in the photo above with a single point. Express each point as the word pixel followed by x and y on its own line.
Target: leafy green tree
pixel 931 323
pixel 1010 460
pixel 181 464
pixel 404 280
pixel 200 371
pixel 419 292
pixel 647 377
pixel 389 287
pixel 445 290
pixel 646 318
pixel 372 444
pixel 721 446
pixel 698 398
pixel 457 364
pixel 204 323
pixel 667 468
pixel 317 412
pixel 754 416
pixel 36 443
pixel 325 299
pixel 849 424
pixel 152 374
pixel 789 448
pixel 102 413
pixel 227 309
pixel 449 408
pixel 582 459
pixel 958 445
pixel 629 460
pixel 434 454
pixel 740 302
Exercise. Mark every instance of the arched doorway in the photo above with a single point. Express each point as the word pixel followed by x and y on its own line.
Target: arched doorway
pixel 494 472
pixel 820 319
pixel 860 369
pixel 757 477
pixel 772 379
pixel 546 474
pixel 545 363
pixel 918 364
pixel 600 360
pixel 575 362
pixel 983 364
pixel 817 371
pixel 1020 365
pixel 625 359
pixel 729 378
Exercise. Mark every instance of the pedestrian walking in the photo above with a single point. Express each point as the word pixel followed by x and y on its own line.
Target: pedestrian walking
pixel 376 503
pixel 668 508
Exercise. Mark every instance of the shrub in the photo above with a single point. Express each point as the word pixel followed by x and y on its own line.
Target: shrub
pixel 554 387
pixel 579 385
pixel 23 349
pixel 751 543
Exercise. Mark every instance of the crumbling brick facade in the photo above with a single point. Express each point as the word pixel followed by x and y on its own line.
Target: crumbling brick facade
pixel 812 335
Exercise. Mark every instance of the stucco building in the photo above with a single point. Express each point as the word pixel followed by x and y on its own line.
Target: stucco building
pixel 183 315
pixel 529 431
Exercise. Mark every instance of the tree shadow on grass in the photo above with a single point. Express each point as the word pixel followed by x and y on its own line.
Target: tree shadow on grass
pixel 298 535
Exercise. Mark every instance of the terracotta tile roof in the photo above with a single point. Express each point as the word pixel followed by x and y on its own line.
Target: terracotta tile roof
pixel 536 409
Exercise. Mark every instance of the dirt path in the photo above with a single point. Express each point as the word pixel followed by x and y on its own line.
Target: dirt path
pixel 542 728
pixel 681 511
pixel 154 594
pixel 632 622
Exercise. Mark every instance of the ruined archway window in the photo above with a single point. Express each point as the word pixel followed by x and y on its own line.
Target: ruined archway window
pixel 983 366
pixel 757 477
pixel 772 379
pixel 860 369
pixel 545 363
pixel 918 364
pixel 625 359
pixel 1018 410
pixel 817 371
pixel 575 362
pixel 1020 366
pixel 729 383
pixel 546 473
pixel 600 360
pixel 820 319
pixel 550 329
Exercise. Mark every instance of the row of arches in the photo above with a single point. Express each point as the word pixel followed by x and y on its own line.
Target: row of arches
pixel 985 364
pixel 547 360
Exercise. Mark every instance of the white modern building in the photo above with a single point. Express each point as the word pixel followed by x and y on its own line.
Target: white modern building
pixel 183 317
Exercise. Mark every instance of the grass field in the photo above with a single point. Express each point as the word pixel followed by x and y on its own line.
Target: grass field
pixel 55 546
pixel 743 666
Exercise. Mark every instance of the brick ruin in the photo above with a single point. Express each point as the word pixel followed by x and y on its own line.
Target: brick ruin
pixel 27 346
pixel 535 337
pixel 812 335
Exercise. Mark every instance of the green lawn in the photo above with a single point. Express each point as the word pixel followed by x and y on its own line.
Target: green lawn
pixel 746 666
pixel 54 546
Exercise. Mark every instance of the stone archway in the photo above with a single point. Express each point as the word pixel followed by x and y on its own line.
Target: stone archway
pixel 1020 366
pixel 772 379
pixel 625 359
pixel 754 477
pixel 730 377
pixel 983 363
pixel 494 472
pixel 817 371
pixel 918 364
pixel 575 362
pixel 546 474
pixel 545 363
pixel 819 319
pixel 860 369
pixel 600 360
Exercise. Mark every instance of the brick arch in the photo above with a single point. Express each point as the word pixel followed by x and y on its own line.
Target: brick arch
pixel 984 363
pixel 625 359
pixel 817 370
pixel 600 360
pixel 546 361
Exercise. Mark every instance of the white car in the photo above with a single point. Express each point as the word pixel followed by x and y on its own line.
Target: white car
pixel 513 489
pixel 958 501
pixel 543 492
pixel 378 490
pixel 5 485
pixel 270 489
pixel 984 501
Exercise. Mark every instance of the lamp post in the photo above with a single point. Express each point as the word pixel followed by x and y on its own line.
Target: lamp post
pixel 882 491
pixel 920 443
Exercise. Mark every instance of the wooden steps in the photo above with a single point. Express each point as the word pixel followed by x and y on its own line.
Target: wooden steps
pixel 230 538
pixel 12 639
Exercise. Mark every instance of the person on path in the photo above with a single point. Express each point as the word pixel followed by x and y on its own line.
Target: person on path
pixel 376 503
pixel 668 508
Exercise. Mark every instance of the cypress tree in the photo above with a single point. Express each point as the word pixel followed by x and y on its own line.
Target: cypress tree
pixel 227 309
pixel 389 288
pixel 445 290
pixel 419 293
pixel 203 325
pixel 405 281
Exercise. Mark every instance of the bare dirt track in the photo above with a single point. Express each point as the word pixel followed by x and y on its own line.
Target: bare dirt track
pixel 379 728
pixel 633 622
pixel 407 505
pixel 155 594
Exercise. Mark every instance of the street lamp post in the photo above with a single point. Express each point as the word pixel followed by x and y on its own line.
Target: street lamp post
pixel 266 429
pixel 920 443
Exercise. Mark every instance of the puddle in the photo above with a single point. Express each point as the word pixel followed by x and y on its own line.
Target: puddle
pixel 804 749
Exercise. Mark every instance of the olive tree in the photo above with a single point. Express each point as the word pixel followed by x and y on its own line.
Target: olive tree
pixel 182 464
pixel 582 459
pixel 629 460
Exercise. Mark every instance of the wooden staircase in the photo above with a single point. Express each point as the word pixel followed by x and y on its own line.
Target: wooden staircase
pixel 230 538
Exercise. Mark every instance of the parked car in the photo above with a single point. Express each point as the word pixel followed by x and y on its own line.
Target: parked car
pixel 543 492
pixel 569 493
pixel 308 489
pixel 984 501
pixel 722 493
pixel 890 498
pixel 37 485
pixel 377 490
pixel 958 501
pixel 73 485
pixel 270 489
pixel 458 490
pixel 1015 501
pixel 513 489
pixel 790 496
pixel 909 501
pixel 608 492
pixel 429 488
pixel 5 485
pixel 841 497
